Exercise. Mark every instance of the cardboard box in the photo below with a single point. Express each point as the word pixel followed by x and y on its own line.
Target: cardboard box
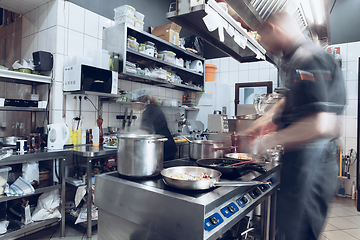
pixel 168 32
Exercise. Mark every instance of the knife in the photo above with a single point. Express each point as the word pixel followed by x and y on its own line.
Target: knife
pixel 130 119
pixel 125 119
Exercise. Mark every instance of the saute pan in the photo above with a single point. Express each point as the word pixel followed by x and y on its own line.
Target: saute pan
pixel 199 184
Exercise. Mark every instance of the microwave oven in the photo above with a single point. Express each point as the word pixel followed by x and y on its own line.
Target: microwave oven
pixel 88 78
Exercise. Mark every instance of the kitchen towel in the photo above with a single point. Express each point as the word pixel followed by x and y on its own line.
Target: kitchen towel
pixel 19 188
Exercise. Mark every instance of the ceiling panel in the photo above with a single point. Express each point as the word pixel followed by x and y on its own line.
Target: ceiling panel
pixel 21 6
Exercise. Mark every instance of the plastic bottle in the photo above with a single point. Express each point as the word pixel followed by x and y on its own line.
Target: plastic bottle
pixel 75 137
pixel 96 136
pixel 78 136
pixel 83 137
pixel 70 140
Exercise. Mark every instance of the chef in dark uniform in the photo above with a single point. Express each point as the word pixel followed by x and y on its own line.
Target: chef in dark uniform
pixel 308 127
pixel 154 122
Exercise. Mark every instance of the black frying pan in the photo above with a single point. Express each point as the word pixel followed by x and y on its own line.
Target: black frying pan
pixel 224 165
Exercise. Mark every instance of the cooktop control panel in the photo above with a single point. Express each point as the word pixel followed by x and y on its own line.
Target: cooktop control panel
pixel 237 205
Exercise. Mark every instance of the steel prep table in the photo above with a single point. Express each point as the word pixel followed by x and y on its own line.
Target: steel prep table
pixel 148 209
pixel 87 152
pixel 41 155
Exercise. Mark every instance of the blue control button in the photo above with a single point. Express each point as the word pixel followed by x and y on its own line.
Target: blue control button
pixel 271 181
pixel 242 201
pixel 229 210
pixel 212 221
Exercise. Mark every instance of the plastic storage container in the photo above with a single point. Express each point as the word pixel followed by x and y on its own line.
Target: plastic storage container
pixel 169 56
pixel 4 173
pixel 132 43
pixel 139 24
pixel 150 48
pixel 124 10
pixel 139 15
pixel 129 19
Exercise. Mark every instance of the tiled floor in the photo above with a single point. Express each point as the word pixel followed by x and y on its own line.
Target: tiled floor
pixel 72 232
pixel 343 223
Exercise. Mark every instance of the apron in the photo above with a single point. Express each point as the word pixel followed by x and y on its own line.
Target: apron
pixel 308 183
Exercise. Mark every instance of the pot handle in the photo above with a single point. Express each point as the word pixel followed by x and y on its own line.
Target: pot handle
pixel 235 183
pixel 214 149
pixel 158 140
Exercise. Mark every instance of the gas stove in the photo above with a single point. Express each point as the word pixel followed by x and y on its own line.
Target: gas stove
pixel 139 208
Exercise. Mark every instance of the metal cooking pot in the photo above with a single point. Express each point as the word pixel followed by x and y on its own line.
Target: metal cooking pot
pixel 140 155
pixel 207 149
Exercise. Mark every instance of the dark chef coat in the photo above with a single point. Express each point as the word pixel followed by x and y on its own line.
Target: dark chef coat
pixel 154 121
pixel 309 173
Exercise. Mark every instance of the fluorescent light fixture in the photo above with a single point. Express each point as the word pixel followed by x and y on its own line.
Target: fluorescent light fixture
pixel 307 11
pixel 318 11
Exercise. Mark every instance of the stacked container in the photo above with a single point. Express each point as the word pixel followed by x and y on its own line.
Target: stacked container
pixel 128 14
pixel 125 14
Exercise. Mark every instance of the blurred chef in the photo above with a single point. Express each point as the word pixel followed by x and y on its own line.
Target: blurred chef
pixel 154 122
pixel 308 125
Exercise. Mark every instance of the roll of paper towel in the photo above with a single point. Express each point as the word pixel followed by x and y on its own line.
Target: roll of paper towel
pixel 197 66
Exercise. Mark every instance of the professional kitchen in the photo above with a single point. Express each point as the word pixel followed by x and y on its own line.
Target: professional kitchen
pixel 179 120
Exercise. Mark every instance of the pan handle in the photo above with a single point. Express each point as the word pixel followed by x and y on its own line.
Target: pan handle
pixel 235 183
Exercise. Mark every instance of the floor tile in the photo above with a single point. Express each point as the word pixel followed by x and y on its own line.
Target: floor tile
pixel 353 219
pixel 330 227
pixel 71 230
pixel 340 212
pixel 338 235
pixel 341 223
pixel 353 232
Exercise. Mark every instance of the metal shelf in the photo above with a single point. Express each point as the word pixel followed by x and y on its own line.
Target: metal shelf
pixel 23 109
pixel 115 39
pixel 4 198
pixel 29 229
pixel 163 63
pixel 191 17
pixel 162 83
pixel 23 78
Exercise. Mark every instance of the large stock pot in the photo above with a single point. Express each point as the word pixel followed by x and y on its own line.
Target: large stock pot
pixel 207 149
pixel 140 155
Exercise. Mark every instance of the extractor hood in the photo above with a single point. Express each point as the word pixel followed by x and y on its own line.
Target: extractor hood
pixel 229 30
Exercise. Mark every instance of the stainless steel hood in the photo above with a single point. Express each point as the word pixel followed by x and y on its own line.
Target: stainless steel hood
pixel 250 14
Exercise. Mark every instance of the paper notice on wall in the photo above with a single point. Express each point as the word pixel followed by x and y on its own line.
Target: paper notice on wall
pixel 240 40
pixel 259 55
pixel 214 21
pixel 230 30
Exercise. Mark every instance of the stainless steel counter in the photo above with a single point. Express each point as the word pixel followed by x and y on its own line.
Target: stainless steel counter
pixel 149 209
pixel 87 152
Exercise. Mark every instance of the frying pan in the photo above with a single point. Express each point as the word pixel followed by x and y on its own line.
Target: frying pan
pixel 229 166
pixel 199 184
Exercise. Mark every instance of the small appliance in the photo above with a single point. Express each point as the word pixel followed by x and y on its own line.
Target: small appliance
pixel 197 66
pixel 89 78
pixel 58 134
pixel 218 123
pixel 43 61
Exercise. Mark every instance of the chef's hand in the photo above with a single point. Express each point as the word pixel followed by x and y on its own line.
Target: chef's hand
pixel 262 143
